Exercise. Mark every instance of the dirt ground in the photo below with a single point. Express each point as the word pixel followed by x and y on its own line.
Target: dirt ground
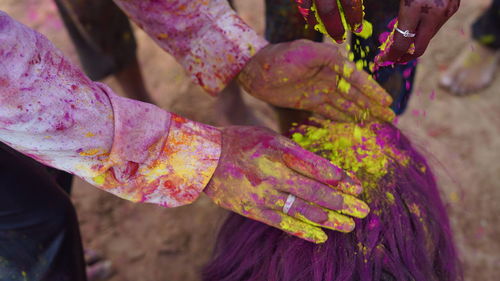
pixel 461 136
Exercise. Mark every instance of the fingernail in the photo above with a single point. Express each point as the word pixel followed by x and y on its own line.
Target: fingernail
pixel 355 207
pixel 388 100
pixel 317 236
pixel 349 187
pixel 350 184
pixel 391 116
pixel 339 222
pixel 383 113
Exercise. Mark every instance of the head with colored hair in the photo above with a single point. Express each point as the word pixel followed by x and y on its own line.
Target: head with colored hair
pixel 406 236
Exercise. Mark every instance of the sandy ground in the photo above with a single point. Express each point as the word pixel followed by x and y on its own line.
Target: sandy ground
pixel 461 135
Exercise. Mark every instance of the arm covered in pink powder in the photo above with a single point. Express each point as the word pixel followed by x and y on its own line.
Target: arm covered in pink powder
pixel 52 112
pixel 206 36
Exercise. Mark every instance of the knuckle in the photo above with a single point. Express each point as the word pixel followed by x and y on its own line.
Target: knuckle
pixel 299 208
pixel 309 211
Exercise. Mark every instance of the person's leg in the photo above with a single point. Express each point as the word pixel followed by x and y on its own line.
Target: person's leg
pixel 105 43
pixel 39 234
pixel 475 67
pixel 397 80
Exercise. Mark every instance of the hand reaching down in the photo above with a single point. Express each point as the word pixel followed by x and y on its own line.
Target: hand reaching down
pixel 259 169
pixel 422 19
pixel 330 12
pixel 315 77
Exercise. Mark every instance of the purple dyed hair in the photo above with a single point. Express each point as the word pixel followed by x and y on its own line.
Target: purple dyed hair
pixel 408 238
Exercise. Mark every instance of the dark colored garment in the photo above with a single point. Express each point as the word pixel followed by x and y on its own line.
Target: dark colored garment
pixel 39 234
pixel 284 23
pixel 62 178
pixel 101 33
pixel 486 29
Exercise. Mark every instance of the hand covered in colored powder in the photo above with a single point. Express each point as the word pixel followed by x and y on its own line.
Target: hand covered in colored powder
pixel 421 17
pixel 257 171
pixel 316 77
pixel 336 15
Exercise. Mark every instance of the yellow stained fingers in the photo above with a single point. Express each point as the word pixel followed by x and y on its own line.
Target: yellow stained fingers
pixel 326 196
pixel 290 225
pixel 368 86
pixel 318 216
pixel 349 107
pixel 333 113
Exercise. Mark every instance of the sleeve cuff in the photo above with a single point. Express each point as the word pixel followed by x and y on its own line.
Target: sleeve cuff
pixel 220 55
pixel 208 38
pixel 158 157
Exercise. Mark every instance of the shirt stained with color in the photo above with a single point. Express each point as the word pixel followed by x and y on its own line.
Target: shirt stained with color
pixel 52 112
pixel 206 36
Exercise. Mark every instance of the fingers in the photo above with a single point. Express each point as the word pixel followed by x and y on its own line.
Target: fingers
pixel 326 197
pixel 317 168
pixel 348 107
pixel 290 225
pixel 320 194
pixel 332 113
pixel 368 107
pixel 362 81
pixel 360 96
pixel 353 94
pixel 314 214
pixel 329 12
pixel 353 11
pixel 427 29
pixel 408 19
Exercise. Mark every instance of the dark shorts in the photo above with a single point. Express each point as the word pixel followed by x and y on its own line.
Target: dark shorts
pixel 486 29
pixel 101 33
pixel 39 234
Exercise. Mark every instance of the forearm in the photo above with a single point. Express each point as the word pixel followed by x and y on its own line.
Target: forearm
pixel 52 112
pixel 206 37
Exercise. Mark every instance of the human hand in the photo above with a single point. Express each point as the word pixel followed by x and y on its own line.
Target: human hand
pixel 257 171
pixel 424 18
pixel 330 15
pixel 316 77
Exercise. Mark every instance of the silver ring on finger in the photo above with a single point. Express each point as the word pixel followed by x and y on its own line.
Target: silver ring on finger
pixel 406 33
pixel 289 203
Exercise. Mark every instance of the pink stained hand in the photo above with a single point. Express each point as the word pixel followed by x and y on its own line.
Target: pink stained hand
pixel 424 18
pixel 315 77
pixel 257 171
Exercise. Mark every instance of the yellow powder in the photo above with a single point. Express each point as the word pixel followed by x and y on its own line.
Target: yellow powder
pixel 352 147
